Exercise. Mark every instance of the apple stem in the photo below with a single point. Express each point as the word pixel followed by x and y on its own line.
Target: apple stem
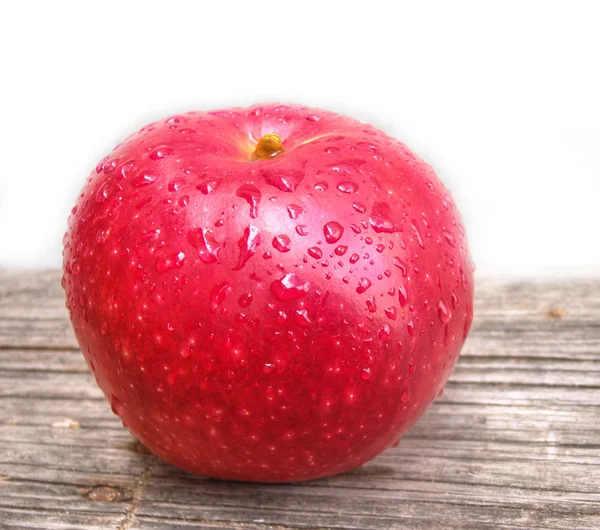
pixel 269 146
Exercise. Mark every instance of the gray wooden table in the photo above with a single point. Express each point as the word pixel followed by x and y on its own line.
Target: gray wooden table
pixel 513 443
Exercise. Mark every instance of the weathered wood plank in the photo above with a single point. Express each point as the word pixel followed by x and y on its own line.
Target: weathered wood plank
pixel 514 442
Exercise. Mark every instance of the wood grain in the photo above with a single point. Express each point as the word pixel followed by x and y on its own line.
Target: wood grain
pixel 514 442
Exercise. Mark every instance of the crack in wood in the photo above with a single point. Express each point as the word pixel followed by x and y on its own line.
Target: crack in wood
pixel 130 516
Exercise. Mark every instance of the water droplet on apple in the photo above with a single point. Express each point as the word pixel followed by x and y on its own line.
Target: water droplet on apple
pixel 355 228
pixel 385 333
pixel 347 186
pixel 354 258
pixel 321 186
pixel 363 285
pixel 365 373
pixel 248 242
pixel 371 305
pixel 359 207
pixel 340 250
pixel 252 195
pixel 284 180
pixel 144 179
pixel 454 301
pixel 402 295
pixel 333 231
pixel 290 287
pixel 380 247
pixel 401 265
pixel 302 318
pixel 176 184
pixel 449 238
pixel 218 294
pixel 417 235
pixel 302 230
pixel 315 252
pixel 405 396
pixel 102 193
pixel 294 210
pixel 208 186
pixel 75 266
pixel 203 240
pixel 410 326
pixel 444 313
pixel 116 405
pixel 172 261
pixel 391 312
pixel 282 243
pixel 245 300
pixel 160 152
pixel 381 219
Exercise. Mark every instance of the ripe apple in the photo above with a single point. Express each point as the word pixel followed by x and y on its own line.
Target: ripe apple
pixel 267 294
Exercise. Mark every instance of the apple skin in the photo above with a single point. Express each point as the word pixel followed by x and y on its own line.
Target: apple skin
pixel 271 320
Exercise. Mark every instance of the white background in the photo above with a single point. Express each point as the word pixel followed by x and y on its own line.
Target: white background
pixel 503 98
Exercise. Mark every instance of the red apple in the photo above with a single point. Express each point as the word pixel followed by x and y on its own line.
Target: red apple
pixel 269 294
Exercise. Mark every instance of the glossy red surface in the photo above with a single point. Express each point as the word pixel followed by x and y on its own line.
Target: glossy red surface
pixel 267 320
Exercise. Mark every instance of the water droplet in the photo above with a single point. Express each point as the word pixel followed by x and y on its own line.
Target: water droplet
pixel 385 333
pixel 381 219
pixel 101 165
pixel 172 261
pixel 208 186
pixel 454 301
pixel 359 207
pixel 321 186
pixel 302 230
pixel 75 266
pixel 302 318
pixel 355 228
pixel 294 210
pixel 365 373
pixel 176 184
pixel 401 265
pixel 371 305
pixel 248 242
pixel 218 294
pixel 391 312
pixel 354 258
pixel 332 150
pixel 340 250
pixel 116 405
pixel 252 195
pixel 405 396
pixel 267 255
pixel 417 235
pixel 143 180
pixel 444 313
pixel 102 193
pixel 203 240
pixel 447 336
pixel 245 300
pixel 347 186
pixel 101 236
pixel 282 243
pixel 290 287
pixel 380 247
pixel 160 152
pixel 333 231
pixel 284 180
pixel 402 295
pixel 268 368
pixel 315 252
pixel 410 326
pixel 449 238
pixel 363 285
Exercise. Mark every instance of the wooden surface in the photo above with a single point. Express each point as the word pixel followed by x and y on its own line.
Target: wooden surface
pixel 513 443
